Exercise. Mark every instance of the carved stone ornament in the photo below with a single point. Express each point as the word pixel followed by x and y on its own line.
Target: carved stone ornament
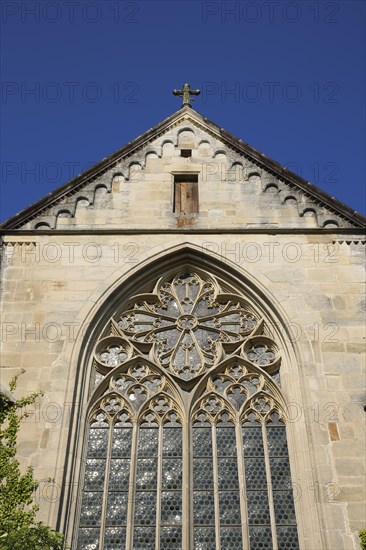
pixel 187 324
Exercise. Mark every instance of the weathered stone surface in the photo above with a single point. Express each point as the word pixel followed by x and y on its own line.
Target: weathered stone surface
pixel 57 287
pixel 350 467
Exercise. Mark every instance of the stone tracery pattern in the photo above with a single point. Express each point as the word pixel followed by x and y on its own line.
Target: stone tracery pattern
pixel 189 321
pixel 237 426
pixel 238 385
pixel 137 411
pixel 135 463
pixel 130 388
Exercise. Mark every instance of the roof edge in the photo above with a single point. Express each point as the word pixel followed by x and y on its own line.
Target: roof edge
pixel 91 172
pixel 266 162
pixel 336 231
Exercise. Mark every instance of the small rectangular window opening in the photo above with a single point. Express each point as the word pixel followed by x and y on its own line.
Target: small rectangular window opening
pixel 186 153
pixel 186 193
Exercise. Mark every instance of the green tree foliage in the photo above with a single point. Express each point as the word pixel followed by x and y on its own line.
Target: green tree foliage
pixel 362 535
pixel 19 529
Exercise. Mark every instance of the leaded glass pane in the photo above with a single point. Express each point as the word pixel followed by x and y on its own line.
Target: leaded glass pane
pixel 277 442
pixel 228 473
pixel 280 473
pixel 202 473
pixel 226 441
pixel 117 508
pixel 112 355
pixel 204 508
pixel 256 488
pixel 203 501
pixel 229 497
pixel 172 442
pixel 91 509
pixel 171 508
pixel 284 507
pixel 145 508
pixel 253 441
pixel 88 539
pixel 202 444
pixel 144 538
pixel 94 474
pixel 231 538
pixel 229 508
pixel 204 538
pixel 282 487
pixel 97 443
pixel 114 538
pixel 137 396
pixel 255 474
pixel 258 509
pixel 172 474
pixel 168 338
pixel 287 538
pixel 170 538
pixel 261 538
pixel 148 442
pixel 119 478
pixel 146 475
pixel 169 307
pixel 121 446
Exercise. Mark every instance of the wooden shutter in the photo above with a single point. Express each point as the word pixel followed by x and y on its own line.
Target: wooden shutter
pixel 186 194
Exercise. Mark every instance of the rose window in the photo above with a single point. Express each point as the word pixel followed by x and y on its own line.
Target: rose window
pixel 189 321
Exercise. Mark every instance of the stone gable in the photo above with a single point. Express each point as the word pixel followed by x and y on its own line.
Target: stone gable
pixel 237 187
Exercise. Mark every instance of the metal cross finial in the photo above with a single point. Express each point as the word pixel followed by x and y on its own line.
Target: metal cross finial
pixel 186 93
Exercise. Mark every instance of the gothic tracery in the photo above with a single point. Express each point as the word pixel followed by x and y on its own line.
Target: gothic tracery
pixel 187 362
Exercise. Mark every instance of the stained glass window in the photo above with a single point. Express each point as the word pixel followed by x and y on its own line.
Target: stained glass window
pixel 186 443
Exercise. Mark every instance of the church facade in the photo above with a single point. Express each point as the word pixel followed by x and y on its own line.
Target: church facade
pixel 194 313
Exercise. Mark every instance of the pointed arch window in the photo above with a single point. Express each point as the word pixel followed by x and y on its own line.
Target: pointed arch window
pixel 186 441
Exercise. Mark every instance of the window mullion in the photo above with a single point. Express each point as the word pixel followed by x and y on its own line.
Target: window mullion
pixel 216 488
pixel 270 491
pixel 106 487
pixel 131 492
pixel 242 485
pixel 158 488
pixel 187 483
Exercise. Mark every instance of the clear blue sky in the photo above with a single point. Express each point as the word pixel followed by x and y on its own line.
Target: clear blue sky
pixel 102 74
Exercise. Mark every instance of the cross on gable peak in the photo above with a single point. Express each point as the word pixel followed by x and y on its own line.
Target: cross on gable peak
pixel 186 93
